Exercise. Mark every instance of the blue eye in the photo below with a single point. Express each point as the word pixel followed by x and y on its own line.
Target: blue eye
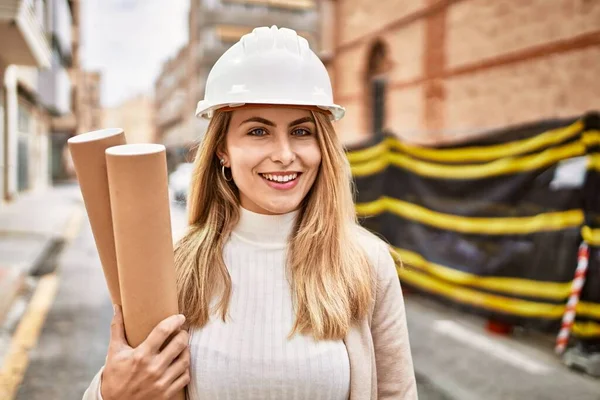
pixel 258 132
pixel 301 132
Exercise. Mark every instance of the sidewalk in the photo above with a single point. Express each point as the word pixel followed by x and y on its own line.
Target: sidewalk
pixel 31 230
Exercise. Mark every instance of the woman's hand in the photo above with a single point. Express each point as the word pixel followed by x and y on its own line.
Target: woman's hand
pixel 150 371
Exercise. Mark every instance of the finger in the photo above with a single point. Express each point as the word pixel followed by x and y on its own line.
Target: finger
pixel 178 367
pixel 180 383
pixel 117 330
pixel 162 332
pixel 176 345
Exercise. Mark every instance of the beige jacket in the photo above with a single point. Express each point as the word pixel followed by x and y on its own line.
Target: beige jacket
pixel 381 366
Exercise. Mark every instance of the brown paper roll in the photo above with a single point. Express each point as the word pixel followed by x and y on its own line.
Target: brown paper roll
pixel 89 160
pixel 137 177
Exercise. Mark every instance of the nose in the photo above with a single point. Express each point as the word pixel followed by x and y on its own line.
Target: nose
pixel 283 151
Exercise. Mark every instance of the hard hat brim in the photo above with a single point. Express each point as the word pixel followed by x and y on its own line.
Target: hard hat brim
pixel 206 110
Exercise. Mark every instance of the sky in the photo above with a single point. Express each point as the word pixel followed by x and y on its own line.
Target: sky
pixel 128 40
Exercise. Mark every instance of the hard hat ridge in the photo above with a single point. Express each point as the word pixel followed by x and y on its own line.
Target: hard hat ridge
pixel 264 39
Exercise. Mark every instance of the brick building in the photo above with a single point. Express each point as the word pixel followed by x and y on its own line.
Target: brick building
pixel 434 71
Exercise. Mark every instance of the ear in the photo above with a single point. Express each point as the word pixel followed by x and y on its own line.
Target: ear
pixel 223 156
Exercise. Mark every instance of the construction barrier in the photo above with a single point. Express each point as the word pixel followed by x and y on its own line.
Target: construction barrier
pixel 493 225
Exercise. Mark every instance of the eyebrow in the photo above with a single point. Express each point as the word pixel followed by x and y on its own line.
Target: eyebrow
pixel 271 123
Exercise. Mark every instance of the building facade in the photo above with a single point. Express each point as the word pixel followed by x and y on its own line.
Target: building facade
pixel 88 104
pixel 172 95
pixel 440 71
pixel 135 116
pixel 58 83
pixel 24 127
pixel 215 25
pixel 39 68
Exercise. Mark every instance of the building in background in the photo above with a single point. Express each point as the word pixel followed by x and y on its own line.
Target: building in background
pixel 58 84
pixel 215 25
pixel 174 128
pixel 438 71
pixel 89 106
pixel 135 116
pixel 23 122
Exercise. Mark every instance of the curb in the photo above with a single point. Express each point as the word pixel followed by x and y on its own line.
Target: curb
pixel 11 283
pixel 12 277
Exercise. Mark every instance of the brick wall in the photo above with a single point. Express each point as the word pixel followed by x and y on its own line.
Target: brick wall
pixel 350 127
pixel 467 64
pixel 559 85
pixel 408 52
pixel 480 29
pixel 359 18
pixel 349 72
pixel 404 109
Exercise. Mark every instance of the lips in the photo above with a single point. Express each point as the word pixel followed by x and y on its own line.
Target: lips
pixel 280 178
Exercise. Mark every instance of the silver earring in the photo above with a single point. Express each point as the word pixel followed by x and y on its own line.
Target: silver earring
pixel 223 171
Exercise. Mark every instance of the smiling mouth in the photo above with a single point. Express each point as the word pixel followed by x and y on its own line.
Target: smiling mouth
pixel 281 178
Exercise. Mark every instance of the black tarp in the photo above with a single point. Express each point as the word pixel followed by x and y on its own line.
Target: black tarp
pixel 492 225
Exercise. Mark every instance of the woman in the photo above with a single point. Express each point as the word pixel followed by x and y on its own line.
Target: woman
pixel 285 295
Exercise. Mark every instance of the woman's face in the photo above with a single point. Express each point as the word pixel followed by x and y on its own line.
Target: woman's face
pixel 274 157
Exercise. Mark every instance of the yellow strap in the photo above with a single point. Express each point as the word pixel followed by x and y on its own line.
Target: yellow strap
pixel 480 153
pixel 487 226
pixel 591 236
pixel 523 308
pixel 501 166
pixel 587 329
pixel 513 286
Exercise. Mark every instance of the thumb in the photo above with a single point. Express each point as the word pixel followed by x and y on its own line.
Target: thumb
pixel 117 329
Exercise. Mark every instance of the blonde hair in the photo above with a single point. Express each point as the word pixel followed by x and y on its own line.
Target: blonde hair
pixel 331 278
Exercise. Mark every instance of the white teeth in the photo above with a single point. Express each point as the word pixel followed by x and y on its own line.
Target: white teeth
pixel 280 178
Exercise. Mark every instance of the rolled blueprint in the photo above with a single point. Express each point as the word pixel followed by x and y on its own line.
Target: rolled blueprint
pixel 89 159
pixel 137 178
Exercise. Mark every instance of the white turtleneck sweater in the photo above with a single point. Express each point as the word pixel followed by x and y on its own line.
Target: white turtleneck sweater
pixel 249 356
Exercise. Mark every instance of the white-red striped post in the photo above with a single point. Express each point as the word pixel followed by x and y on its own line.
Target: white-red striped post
pixel 569 315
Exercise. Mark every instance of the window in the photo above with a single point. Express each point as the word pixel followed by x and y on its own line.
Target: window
pixel 24 118
pixel 375 87
pixel 378 104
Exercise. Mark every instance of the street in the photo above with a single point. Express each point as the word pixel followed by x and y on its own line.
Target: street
pixel 455 358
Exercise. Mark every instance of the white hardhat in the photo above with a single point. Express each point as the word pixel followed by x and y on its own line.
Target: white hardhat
pixel 269 66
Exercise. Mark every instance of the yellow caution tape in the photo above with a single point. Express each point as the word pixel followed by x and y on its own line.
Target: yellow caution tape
pixel 478 153
pixel 475 225
pixel 473 297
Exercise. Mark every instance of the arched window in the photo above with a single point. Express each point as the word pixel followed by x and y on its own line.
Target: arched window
pixel 378 65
